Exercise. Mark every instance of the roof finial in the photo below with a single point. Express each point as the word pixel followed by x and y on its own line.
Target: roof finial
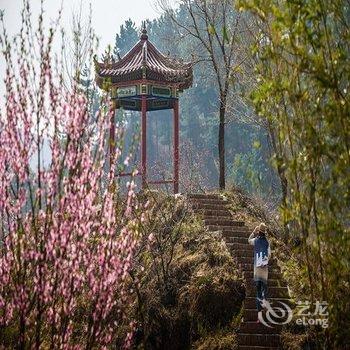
pixel 144 35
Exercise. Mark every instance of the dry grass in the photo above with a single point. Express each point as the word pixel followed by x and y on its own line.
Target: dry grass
pixel 218 341
pixel 203 297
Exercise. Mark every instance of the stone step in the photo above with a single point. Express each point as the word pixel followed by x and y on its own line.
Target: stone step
pixel 248 273
pixel 241 228
pixel 208 206
pixel 258 328
pixel 250 347
pixel 275 282
pixel 212 201
pixel 244 253
pixel 240 246
pixel 245 261
pixel 235 228
pixel 219 218
pixel 231 230
pixel 258 339
pixel 213 213
pixel 223 222
pixel 250 302
pixel 224 228
pixel 233 239
pixel 272 292
pixel 273 274
pixel 250 315
pixel 203 196
pixel 238 232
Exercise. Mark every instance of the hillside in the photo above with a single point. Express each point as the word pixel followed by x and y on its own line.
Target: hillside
pixel 198 293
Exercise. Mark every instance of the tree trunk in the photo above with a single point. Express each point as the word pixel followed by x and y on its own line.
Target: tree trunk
pixel 280 169
pixel 284 185
pixel 222 144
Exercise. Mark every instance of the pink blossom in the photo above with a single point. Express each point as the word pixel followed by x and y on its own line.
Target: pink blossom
pixel 63 253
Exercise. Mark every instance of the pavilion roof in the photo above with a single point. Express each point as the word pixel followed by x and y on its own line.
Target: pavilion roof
pixel 144 60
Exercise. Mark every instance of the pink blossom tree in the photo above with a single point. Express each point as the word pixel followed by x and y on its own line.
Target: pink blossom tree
pixel 65 251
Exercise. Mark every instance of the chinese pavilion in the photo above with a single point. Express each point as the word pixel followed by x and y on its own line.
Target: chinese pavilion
pixel 146 80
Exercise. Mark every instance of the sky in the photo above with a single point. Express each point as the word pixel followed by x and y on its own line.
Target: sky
pixel 107 15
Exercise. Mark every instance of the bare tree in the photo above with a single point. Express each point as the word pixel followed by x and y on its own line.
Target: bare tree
pixel 217 27
pixel 79 48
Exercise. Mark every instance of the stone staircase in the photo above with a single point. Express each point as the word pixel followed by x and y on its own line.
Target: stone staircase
pixel 216 216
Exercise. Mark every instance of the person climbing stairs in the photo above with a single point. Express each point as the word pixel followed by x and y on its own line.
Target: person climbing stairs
pixel 252 335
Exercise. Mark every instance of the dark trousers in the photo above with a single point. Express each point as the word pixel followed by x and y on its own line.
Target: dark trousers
pixel 261 293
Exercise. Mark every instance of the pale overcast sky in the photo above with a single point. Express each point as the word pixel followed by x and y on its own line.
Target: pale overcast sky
pixel 107 15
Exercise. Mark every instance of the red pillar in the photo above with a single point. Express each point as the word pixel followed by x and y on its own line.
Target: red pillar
pixel 176 146
pixel 144 140
pixel 112 137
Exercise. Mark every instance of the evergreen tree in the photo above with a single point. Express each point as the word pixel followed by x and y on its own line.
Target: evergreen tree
pixel 126 38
